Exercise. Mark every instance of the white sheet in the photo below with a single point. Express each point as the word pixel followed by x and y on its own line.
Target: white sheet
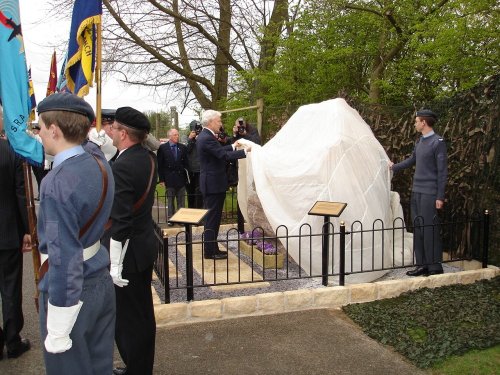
pixel 325 152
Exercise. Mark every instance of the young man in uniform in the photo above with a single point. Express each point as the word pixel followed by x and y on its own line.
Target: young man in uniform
pixel 77 309
pixel 429 182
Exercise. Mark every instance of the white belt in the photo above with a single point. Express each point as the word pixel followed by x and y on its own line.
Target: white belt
pixel 88 252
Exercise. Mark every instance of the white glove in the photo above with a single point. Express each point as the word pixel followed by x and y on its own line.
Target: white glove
pixel 60 322
pixel 97 137
pixel 116 255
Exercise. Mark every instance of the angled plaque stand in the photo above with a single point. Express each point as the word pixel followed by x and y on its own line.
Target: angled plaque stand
pixel 189 217
pixel 327 210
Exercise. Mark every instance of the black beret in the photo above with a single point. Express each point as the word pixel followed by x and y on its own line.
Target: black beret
pixel 132 118
pixel 108 114
pixel 426 113
pixel 66 102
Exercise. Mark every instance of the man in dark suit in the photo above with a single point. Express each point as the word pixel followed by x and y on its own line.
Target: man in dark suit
pixel 213 178
pixel 14 233
pixel 132 243
pixel 172 170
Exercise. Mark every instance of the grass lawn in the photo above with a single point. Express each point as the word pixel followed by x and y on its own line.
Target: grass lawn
pixel 430 326
pixel 475 362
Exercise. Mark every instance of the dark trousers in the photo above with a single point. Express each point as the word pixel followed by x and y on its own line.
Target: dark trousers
pixel 135 323
pixel 195 199
pixel 177 194
pixel 214 203
pixel 11 279
pixel 426 237
pixel 92 334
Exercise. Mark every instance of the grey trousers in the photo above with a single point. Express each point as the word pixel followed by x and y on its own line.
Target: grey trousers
pixel 179 194
pixel 92 335
pixel 427 244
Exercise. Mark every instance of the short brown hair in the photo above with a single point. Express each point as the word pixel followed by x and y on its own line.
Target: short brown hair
pixel 74 126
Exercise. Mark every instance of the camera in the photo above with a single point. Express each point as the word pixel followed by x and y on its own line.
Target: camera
pixel 222 135
pixel 241 126
pixel 198 128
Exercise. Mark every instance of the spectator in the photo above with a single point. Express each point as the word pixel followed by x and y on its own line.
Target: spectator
pixel 195 199
pixel 172 170
pixel 14 240
pixel 241 130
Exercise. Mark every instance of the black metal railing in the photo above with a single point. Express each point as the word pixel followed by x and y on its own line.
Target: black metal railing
pixel 229 213
pixel 333 254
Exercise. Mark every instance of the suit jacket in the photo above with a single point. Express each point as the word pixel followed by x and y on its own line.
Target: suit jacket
pixel 213 159
pixel 170 170
pixel 132 173
pixel 13 211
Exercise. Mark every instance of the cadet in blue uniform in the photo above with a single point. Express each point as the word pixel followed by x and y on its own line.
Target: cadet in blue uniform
pixel 77 309
pixel 429 182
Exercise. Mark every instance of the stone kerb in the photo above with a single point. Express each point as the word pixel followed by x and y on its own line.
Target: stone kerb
pixel 306 299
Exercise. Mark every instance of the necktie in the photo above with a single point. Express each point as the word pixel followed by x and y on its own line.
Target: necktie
pixel 174 152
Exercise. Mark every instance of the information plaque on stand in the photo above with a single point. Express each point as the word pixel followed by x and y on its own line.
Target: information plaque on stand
pixel 327 210
pixel 188 216
pixel 322 208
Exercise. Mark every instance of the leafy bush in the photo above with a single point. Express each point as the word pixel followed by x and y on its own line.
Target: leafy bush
pixel 429 325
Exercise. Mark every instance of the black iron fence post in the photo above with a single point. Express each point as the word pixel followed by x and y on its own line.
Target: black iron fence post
pixel 166 275
pixel 189 263
pixel 324 250
pixel 486 239
pixel 342 254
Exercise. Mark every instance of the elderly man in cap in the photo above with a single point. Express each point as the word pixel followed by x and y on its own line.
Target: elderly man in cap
pixel 77 310
pixel 429 181
pixel 132 242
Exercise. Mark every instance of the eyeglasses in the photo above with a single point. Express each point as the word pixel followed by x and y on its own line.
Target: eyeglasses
pixel 115 127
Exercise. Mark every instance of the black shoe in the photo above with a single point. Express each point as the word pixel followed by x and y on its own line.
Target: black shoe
pixel 435 272
pixel 120 371
pixel 419 271
pixel 216 255
pixel 23 346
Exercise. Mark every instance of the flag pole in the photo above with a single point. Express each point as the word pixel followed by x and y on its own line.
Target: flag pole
pixel 30 205
pixel 98 75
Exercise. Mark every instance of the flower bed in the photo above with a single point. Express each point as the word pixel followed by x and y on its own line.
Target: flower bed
pixel 261 251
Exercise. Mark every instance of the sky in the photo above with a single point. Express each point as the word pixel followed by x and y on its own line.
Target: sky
pixel 41 35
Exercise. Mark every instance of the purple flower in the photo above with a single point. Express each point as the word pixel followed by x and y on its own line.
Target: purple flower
pixel 266 247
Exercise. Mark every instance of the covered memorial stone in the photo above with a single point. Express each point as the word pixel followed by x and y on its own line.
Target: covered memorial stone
pixel 325 152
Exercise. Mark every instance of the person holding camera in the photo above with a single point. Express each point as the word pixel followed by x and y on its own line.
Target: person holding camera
pixel 241 129
pixel 194 197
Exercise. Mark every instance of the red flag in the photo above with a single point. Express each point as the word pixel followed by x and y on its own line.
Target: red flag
pixel 51 86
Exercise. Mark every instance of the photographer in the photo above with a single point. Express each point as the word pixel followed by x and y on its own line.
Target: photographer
pixel 194 197
pixel 241 129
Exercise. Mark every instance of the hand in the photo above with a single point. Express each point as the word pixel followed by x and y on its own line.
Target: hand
pixel 27 246
pixel 60 322
pixel 116 256
pixel 439 204
pixel 116 274
pixel 390 163
pixel 192 134
pixel 248 148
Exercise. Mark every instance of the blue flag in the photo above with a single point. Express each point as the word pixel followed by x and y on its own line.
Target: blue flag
pixel 62 82
pixel 14 86
pixel 82 45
